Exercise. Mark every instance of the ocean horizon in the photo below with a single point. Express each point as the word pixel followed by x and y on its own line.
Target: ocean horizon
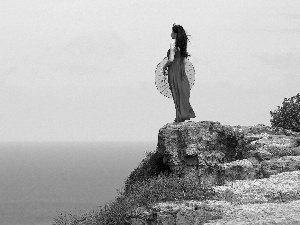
pixel 41 179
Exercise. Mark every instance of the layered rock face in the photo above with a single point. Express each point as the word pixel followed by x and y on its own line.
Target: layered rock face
pixel 214 154
pixel 254 170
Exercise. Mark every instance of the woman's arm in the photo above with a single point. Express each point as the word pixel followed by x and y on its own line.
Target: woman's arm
pixel 168 63
pixel 171 55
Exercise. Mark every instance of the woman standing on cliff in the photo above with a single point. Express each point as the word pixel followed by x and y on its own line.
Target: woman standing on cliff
pixel 178 81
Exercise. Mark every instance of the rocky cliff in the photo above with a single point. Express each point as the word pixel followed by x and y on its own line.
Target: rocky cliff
pixel 254 171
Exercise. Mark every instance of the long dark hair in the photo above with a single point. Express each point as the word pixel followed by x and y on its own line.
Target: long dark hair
pixel 181 39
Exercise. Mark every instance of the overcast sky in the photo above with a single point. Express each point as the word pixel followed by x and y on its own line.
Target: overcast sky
pixel 83 70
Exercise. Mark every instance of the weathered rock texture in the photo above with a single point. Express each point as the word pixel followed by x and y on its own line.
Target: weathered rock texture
pixel 215 154
pixel 254 171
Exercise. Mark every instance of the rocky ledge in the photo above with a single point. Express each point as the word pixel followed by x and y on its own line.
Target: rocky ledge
pixel 254 171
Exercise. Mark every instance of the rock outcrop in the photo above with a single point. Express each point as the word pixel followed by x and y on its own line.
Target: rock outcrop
pixel 215 154
pixel 254 170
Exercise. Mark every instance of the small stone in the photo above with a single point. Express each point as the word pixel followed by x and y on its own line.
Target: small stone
pixel 296 151
pixel 263 154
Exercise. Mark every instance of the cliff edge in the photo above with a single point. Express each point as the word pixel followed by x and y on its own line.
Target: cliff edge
pixel 254 172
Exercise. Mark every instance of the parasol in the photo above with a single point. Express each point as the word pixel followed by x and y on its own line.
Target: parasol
pixel 161 81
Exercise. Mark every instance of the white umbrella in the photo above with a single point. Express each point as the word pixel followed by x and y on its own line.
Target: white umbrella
pixel 161 81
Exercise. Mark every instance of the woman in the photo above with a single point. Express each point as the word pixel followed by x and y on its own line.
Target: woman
pixel 178 81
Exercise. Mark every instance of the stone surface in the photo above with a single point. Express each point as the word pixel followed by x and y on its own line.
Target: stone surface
pixel 165 219
pixel 198 148
pixel 263 129
pixel 136 221
pixel 273 200
pixel 263 154
pixel 278 188
pixel 214 153
pixel 296 150
pixel 188 212
pixel 255 171
pixel 258 214
pixel 238 170
pixel 283 164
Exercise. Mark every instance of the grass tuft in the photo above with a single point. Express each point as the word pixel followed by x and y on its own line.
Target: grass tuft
pixel 144 193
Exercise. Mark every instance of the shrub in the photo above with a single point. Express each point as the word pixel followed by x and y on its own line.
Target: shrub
pixel 167 188
pixel 151 166
pixel 140 194
pixel 288 115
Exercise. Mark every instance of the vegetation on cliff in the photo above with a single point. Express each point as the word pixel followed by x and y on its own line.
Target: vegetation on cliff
pixel 153 182
pixel 288 115
pixel 139 195
pixel 234 153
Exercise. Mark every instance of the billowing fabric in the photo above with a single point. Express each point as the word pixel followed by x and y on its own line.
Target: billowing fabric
pixel 180 88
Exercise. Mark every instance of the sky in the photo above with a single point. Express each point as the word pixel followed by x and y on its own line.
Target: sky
pixel 83 70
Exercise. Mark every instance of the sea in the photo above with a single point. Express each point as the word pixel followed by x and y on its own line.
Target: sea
pixel 38 180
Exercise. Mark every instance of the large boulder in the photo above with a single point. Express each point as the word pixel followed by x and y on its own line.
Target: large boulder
pixel 212 153
pixel 199 148
pixel 254 171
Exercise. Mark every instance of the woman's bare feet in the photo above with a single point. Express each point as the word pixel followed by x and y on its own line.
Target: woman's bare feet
pixel 179 120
